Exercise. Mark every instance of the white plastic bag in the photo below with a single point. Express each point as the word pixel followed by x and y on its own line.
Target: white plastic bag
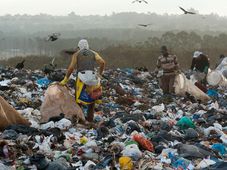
pixel 89 77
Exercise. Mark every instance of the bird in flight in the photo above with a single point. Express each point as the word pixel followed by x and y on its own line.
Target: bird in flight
pixel 186 12
pixel 52 62
pixel 140 1
pixel 144 25
pixel 53 37
pixel 68 52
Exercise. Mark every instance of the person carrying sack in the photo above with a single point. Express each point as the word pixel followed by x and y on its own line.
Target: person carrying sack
pixel 88 89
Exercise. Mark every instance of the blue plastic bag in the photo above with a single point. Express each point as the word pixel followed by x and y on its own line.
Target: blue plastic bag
pixel 220 148
pixel 43 82
pixel 212 93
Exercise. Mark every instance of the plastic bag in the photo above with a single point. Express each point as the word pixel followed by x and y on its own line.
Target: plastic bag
pixel 185 123
pixel 96 93
pixel 144 143
pixel 125 163
pixel 58 99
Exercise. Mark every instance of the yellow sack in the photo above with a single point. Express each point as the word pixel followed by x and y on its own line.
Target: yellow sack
pixel 84 93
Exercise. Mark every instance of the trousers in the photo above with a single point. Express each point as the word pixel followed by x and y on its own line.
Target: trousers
pixel 166 82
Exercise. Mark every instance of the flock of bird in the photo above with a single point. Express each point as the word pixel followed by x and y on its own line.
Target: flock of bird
pixel 146 25
pixel 185 11
pixel 51 66
pixel 55 36
pixel 48 68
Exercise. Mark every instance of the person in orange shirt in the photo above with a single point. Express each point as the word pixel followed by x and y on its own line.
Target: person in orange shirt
pixel 88 88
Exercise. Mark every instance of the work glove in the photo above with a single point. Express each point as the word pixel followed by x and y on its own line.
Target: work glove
pixel 64 81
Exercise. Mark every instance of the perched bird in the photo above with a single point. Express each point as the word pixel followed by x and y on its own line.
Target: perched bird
pixel 186 12
pixel 52 63
pixel 20 65
pixel 144 25
pixel 50 67
pixel 53 37
pixel 140 1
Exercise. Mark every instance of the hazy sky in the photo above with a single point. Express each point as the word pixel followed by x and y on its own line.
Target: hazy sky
pixel 102 7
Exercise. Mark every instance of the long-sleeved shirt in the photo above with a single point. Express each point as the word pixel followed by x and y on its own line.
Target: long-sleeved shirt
pixel 201 63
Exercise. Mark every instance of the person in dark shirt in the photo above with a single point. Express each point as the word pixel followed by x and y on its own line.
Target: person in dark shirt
pixel 200 65
pixel 200 62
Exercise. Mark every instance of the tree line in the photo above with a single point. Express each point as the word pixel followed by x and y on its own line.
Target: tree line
pixel 137 54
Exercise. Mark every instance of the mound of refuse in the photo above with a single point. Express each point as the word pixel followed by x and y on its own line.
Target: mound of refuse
pixel 135 127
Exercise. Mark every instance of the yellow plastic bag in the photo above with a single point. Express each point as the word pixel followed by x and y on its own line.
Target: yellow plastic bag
pixel 125 163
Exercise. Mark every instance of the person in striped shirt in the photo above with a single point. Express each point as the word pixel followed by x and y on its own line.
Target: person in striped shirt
pixel 167 67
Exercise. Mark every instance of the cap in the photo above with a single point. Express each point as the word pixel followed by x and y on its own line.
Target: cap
pixel 197 54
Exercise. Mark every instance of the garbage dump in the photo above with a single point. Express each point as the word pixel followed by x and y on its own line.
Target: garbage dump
pixel 135 127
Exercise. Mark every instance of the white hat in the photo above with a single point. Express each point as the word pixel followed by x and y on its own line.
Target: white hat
pixel 83 44
pixel 197 54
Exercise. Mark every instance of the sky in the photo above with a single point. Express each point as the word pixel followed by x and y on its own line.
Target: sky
pixel 107 7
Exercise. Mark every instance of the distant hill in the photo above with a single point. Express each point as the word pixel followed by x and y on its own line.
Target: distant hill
pixel 115 35
pixel 46 23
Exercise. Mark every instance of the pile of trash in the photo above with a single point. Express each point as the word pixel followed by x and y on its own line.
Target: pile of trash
pixel 135 127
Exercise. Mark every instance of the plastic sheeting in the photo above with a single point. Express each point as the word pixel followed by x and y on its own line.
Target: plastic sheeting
pixel 183 86
pixel 59 100
pixel 216 78
pixel 222 66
